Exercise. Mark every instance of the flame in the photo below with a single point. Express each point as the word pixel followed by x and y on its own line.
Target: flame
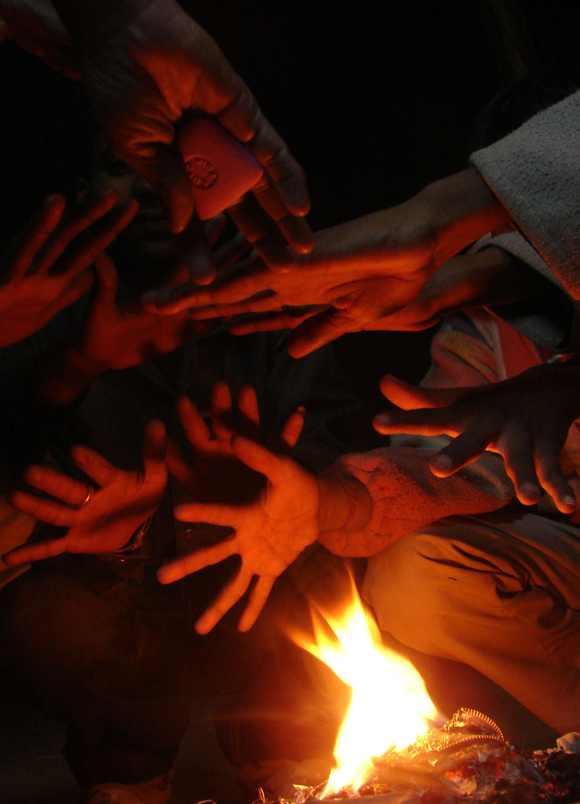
pixel 389 708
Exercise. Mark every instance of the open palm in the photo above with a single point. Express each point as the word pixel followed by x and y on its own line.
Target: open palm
pixel 270 531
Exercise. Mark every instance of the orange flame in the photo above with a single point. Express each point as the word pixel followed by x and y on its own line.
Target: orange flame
pixel 389 709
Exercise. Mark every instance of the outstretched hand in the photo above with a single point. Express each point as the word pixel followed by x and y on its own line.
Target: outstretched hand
pixel 100 518
pixel 357 273
pixel 525 419
pixel 270 531
pixel 49 269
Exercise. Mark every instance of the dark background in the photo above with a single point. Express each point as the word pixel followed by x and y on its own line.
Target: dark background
pixel 375 99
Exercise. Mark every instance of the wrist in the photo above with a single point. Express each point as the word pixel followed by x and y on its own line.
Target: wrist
pixel 460 209
pixel 344 503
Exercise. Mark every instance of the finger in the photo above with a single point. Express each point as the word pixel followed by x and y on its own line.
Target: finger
pixel 417 422
pixel 58 485
pixel 221 411
pixel 108 280
pixel 243 286
pixel 245 121
pixel 272 323
pixel 35 239
pixel 293 426
pixel 177 465
pixel 233 591
pixel 196 255
pixel 94 465
pixel 248 405
pixel 212 513
pixel 165 171
pixel 257 305
pixel 257 457
pixel 40 551
pixel 251 220
pixel 258 597
pixel 410 397
pixel 515 446
pixel 188 565
pixel 75 290
pixel 57 245
pixel 193 424
pixel 295 231
pixel 154 449
pixel 463 450
pixel 318 331
pixel 547 462
pixel 46 511
pixel 83 253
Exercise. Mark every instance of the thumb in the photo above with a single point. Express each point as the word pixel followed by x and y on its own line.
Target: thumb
pixel 165 172
pixel 108 279
pixel 257 457
pixel 410 397
pixel 318 331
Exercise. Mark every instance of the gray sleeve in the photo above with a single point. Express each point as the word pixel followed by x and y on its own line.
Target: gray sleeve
pixel 535 173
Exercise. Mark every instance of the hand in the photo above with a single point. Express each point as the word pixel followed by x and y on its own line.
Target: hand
pixel 359 272
pixel 49 268
pixel 146 66
pixel 212 472
pixel 99 521
pixel 270 532
pixel 490 276
pixel 119 337
pixel 362 270
pixel 525 419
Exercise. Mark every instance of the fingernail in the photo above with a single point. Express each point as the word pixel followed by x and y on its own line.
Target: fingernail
pixel 531 491
pixel 442 462
pixel 569 501
pixel 201 627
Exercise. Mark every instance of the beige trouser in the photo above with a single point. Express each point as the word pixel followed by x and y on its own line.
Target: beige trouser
pixel 499 593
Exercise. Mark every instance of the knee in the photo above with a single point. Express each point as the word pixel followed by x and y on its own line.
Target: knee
pixel 409 590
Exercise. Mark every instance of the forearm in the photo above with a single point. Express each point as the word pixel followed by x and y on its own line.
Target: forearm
pixel 461 208
pixel 368 501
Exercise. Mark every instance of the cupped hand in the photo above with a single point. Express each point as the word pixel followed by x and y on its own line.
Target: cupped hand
pixel 148 73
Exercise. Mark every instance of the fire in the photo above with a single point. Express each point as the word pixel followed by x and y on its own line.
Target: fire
pixel 389 708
